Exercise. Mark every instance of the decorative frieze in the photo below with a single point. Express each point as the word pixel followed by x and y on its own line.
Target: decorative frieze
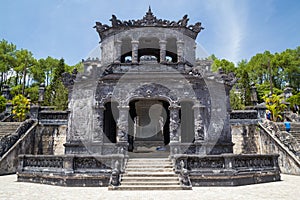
pixel 199 123
pixel 122 124
pixel 174 123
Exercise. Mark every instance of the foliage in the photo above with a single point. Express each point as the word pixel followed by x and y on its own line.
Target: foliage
pixel 223 64
pixel 294 100
pixel 274 104
pixel 264 90
pixel 7 52
pixel 2 103
pixel 33 93
pixel 236 101
pixel 21 106
pixel 244 82
pixel 56 93
pixel 24 64
pixel 60 100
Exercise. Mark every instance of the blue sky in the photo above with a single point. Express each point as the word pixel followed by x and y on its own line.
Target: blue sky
pixel 234 29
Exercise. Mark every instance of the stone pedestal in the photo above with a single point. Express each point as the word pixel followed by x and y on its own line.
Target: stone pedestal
pixel 34 112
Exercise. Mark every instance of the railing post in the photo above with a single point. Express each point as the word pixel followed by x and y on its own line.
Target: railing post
pixel 68 164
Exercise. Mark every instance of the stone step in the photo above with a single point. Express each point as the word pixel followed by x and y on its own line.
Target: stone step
pixel 151 183
pixel 148 166
pixel 150 179
pixel 147 187
pixel 151 174
pixel 149 161
pixel 146 170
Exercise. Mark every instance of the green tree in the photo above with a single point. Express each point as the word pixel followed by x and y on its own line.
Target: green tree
pixel 25 61
pixel 56 93
pixel 236 100
pixel 294 100
pixel 258 67
pixel 48 65
pixel 244 82
pixel 7 57
pixel 223 64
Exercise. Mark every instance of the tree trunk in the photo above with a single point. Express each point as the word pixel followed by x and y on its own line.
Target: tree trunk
pixel 24 81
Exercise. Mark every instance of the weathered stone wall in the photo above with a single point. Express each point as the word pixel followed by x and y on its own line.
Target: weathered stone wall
pixel 50 139
pixel 245 139
pixel 245 134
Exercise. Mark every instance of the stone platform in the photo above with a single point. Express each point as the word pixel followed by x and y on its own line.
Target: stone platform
pixel 206 170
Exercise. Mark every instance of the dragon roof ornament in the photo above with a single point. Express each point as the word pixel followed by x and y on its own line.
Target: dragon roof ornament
pixel 149 20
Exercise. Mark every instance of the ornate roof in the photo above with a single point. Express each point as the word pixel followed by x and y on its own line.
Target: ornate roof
pixel 149 20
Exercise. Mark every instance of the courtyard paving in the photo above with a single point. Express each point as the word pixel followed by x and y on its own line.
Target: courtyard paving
pixel 288 188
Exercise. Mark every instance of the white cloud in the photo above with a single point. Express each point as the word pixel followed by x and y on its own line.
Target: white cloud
pixel 230 19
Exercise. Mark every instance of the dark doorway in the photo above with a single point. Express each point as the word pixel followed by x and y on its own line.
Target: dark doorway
pixel 111 114
pixel 148 124
pixel 187 121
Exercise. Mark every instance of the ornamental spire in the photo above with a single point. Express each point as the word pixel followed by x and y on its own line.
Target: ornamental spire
pixel 149 10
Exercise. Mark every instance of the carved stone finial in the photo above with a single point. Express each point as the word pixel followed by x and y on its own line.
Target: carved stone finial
pixel 149 10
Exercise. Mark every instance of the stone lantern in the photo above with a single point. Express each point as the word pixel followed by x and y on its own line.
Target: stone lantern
pixel 41 93
pixel 253 94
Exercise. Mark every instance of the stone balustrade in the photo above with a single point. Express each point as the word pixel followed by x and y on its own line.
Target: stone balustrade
pixel 51 117
pixel 69 163
pixel 69 170
pixel 251 162
pixel 229 169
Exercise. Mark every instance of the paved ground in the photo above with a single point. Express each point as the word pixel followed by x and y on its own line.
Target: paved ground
pixel 288 188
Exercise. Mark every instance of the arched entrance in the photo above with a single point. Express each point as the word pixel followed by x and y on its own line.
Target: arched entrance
pixel 148 126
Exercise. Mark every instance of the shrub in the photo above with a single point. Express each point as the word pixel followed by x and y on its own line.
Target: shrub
pixel 21 106
pixel 2 103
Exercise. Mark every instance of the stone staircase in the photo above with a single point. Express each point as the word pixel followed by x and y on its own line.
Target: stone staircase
pixel 295 129
pixel 7 128
pixel 149 174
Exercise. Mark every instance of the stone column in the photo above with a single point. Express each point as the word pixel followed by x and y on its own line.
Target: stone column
pixel 174 123
pixel 135 48
pixel 162 47
pixel 122 124
pixel 198 123
pixel 98 123
pixel 118 45
pixel 180 44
